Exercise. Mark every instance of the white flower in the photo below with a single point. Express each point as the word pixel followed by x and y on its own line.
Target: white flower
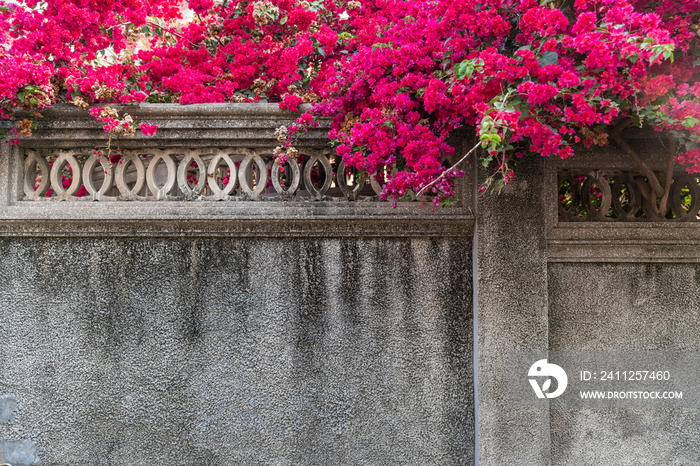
pixel 344 15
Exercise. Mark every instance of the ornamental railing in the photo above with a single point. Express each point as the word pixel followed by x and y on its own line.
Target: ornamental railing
pixel 217 152
pixel 615 196
pixel 67 179
pixel 203 174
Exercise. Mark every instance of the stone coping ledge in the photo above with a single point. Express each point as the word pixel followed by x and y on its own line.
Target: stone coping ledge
pixel 624 242
pixel 250 125
pixel 331 227
pixel 69 114
pixel 650 251
pixel 86 209
pixel 674 231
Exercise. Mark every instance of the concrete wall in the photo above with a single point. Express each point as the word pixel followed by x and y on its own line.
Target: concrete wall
pixel 625 307
pixel 327 332
pixel 546 285
pixel 250 352
pixel 511 266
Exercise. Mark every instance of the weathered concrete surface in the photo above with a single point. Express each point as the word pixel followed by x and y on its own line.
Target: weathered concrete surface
pixel 250 125
pixel 512 315
pixel 625 307
pixel 238 351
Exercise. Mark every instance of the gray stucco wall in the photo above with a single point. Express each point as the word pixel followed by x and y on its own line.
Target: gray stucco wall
pixel 512 316
pixel 271 346
pixel 238 351
pixel 625 307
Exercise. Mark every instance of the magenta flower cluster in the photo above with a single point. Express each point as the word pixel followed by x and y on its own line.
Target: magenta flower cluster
pixel 396 77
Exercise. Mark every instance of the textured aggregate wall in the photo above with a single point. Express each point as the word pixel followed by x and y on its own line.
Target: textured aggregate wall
pixel 235 351
pixel 625 307
pixel 512 316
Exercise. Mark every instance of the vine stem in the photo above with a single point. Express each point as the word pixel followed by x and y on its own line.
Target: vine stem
pixel 443 174
pixel 663 207
pixel 656 188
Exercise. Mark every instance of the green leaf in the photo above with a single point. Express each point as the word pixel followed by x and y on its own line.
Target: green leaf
pixel 467 67
pixel 690 122
pixel 283 21
pixel 461 70
pixel 549 58
pixel 382 45
pixel 696 63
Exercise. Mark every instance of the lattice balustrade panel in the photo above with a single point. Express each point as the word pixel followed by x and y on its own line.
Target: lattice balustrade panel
pixel 615 195
pixel 228 174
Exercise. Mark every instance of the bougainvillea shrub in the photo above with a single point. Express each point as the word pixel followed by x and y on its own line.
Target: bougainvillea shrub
pixel 395 76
